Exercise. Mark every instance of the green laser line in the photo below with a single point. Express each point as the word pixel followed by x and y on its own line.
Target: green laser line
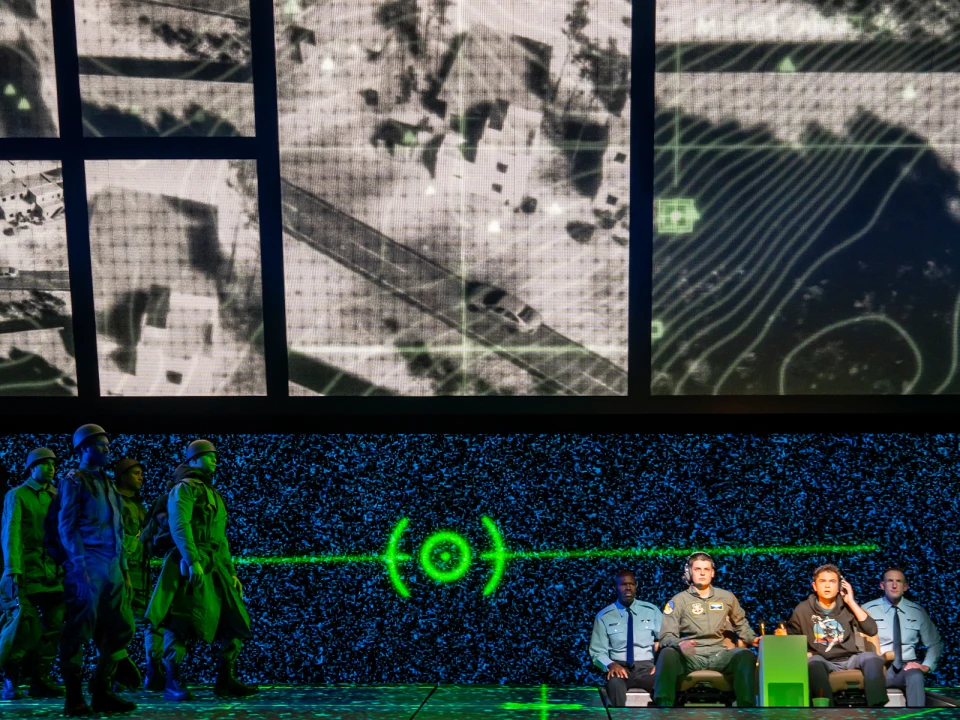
pixel 499 553
pixel 543 706
pixel 917 714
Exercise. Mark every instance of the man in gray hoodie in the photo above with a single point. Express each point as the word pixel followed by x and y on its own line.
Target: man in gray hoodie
pixel 829 618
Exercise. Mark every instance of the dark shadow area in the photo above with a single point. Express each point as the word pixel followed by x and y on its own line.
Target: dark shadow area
pixel 22 110
pixel 26 9
pixel 584 143
pixel 329 380
pixel 25 373
pixel 538 67
pixel 403 17
pixel 111 121
pixel 430 98
pixel 471 125
pixel 122 324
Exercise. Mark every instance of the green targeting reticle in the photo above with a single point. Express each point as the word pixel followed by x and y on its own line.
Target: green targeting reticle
pixel 676 216
pixel 445 556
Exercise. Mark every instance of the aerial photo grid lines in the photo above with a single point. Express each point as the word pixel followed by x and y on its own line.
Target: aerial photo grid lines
pixel 806 197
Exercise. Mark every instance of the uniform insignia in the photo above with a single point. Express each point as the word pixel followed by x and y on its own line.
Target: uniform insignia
pixel 668 608
pixel 697 608
pixel 716 607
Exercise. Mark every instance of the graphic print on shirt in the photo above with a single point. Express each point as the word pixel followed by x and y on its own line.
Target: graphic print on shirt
pixel 826 631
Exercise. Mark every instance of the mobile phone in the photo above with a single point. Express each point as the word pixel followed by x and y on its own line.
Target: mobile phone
pixel 843 592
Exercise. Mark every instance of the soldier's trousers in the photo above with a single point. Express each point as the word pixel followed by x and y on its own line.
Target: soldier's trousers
pixel 673 664
pixel 102 616
pixel 175 646
pixel 870 664
pixel 640 677
pixel 38 634
pixel 152 638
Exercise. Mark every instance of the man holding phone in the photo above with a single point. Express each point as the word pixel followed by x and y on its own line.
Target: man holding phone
pixel 829 619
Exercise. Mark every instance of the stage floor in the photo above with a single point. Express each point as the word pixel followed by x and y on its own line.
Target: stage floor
pixel 445 702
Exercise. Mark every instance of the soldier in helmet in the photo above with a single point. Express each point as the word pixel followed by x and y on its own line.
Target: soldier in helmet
pixel 32 579
pixel 198 593
pixel 90 524
pixel 128 480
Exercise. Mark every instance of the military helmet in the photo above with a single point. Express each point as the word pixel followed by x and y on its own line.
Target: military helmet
pixel 197 448
pixel 38 454
pixel 125 464
pixel 87 431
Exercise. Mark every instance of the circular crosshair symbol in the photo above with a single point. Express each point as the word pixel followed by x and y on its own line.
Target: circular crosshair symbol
pixel 445 538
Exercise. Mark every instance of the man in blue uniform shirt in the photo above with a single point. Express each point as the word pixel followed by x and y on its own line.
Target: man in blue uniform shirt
pixel 902 625
pixel 623 640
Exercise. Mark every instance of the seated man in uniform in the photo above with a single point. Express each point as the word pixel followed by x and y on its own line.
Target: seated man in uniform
pixel 623 640
pixel 829 618
pixel 692 635
pixel 902 625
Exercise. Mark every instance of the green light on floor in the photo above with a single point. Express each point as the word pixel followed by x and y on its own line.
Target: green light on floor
pixel 676 216
pixel 543 706
pixel 9 90
pixel 24 104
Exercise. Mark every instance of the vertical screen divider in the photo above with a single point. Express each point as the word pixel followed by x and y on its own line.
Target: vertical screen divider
pixel 269 196
pixel 75 198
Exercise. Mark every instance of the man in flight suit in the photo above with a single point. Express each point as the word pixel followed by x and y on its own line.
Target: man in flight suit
pixel 90 526
pixel 623 640
pixel 128 480
pixel 692 636
pixel 198 593
pixel 32 578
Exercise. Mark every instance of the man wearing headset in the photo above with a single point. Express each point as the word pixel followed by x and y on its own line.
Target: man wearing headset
pixel 692 636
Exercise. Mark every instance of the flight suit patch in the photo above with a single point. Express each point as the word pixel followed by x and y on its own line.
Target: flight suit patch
pixel 697 608
pixel 668 608
pixel 716 607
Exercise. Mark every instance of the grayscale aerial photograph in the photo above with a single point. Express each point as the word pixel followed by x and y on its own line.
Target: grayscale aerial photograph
pixel 807 202
pixel 167 68
pixel 28 80
pixel 36 326
pixel 456 192
pixel 175 247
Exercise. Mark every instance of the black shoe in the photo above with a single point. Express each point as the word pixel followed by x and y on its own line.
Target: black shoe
pixel 76 705
pixel 127 675
pixel 43 686
pixel 105 700
pixel 175 689
pixel 227 684
pixel 11 684
pixel 155 679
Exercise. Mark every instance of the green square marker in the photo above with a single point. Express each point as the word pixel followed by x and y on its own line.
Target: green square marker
pixel 676 216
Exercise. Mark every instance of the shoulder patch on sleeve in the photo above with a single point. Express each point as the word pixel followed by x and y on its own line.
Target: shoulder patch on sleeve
pixel 668 608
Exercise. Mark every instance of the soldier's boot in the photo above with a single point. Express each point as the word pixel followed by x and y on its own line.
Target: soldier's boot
pixel 76 704
pixel 156 679
pixel 43 686
pixel 11 684
pixel 127 675
pixel 175 689
pixel 227 684
pixel 104 700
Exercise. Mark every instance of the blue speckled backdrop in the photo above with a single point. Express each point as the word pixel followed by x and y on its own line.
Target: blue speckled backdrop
pixel 310 494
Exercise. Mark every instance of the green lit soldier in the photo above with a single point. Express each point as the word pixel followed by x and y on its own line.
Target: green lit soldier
pixel 32 578
pixel 128 480
pixel 198 593
pixel 90 526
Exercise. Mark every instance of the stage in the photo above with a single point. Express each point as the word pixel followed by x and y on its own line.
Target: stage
pixel 443 702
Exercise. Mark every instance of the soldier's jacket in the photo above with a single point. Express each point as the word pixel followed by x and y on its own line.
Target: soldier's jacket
pixel 138 562
pixel 198 522
pixel 90 520
pixel 689 617
pixel 24 510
